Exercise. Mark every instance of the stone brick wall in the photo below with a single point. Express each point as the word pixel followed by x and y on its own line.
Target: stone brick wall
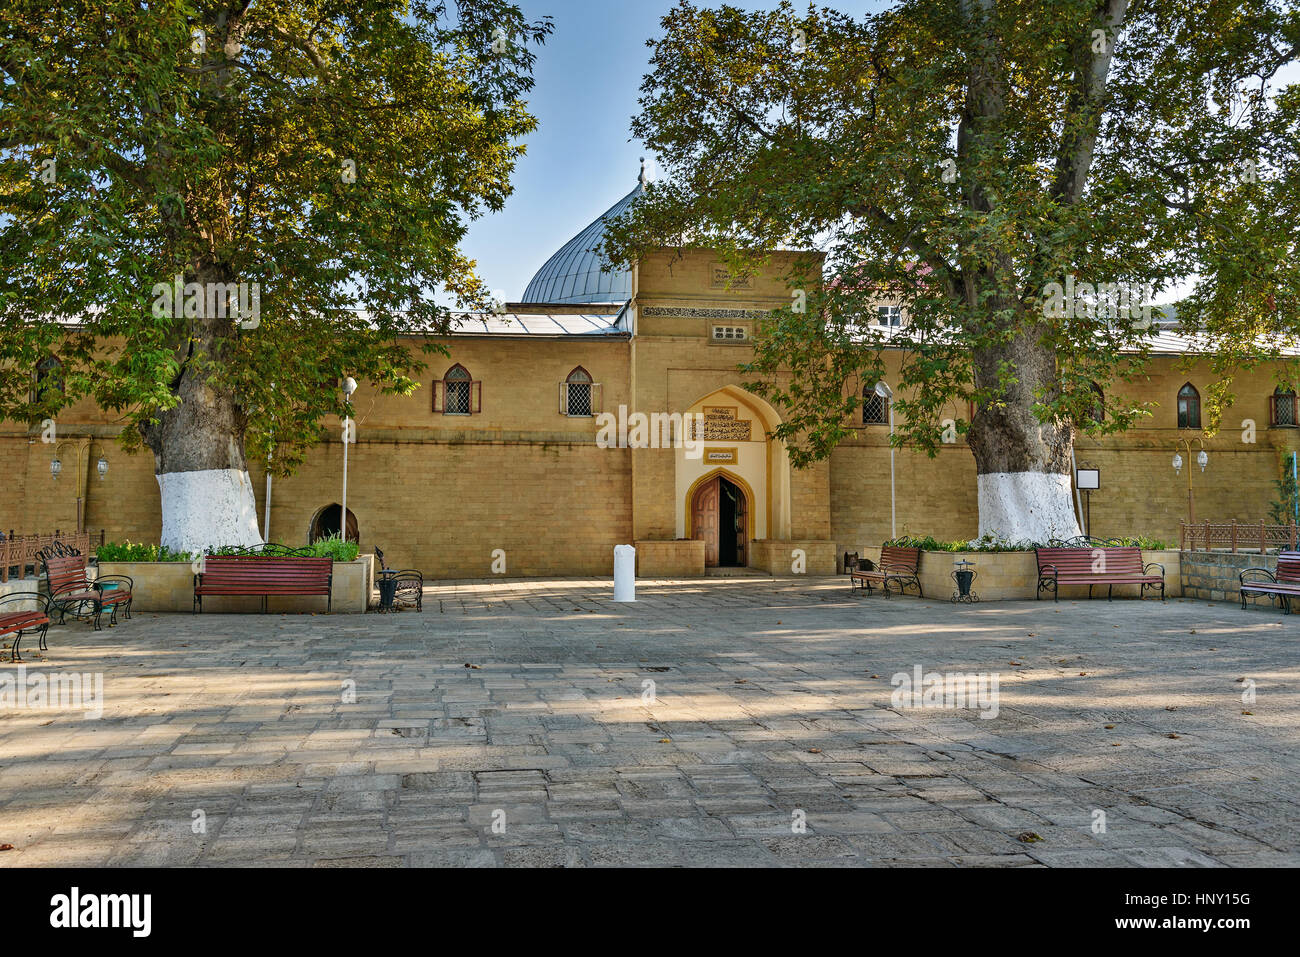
pixel 443 493
pixel 1213 576
pixel 777 557
pixel 1140 493
pixel 676 559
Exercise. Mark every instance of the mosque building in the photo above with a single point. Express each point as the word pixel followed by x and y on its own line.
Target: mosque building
pixel 497 464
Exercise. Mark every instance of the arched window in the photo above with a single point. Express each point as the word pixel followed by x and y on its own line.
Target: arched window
pixel 579 394
pixel 1097 411
pixel 49 378
pixel 875 408
pixel 1189 407
pixel 457 393
pixel 1283 409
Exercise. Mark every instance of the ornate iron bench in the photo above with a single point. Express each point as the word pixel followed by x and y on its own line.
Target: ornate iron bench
pixel 249 575
pixel 1108 565
pixel 18 623
pixel 399 588
pixel 1282 585
pixel 73 592
pixel 410 589
pixel 900 566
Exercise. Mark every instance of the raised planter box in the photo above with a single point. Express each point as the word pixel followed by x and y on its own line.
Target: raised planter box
pixel 1013 576
pixel 169 587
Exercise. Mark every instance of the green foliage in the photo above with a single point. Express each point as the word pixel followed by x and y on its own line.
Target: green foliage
pixel 958 159
pixel 929 543
pixel 1283 511
pixel 334 547
pixel 139 552
pixel 1144 543
pixel 988 544
pixel 331 153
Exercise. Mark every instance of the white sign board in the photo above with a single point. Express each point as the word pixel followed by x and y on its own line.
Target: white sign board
pixel 1089 479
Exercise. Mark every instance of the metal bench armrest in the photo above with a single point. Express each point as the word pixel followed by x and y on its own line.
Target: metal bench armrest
pixel 72 589
pixel 99 582
pixel 43 601
pixel 1154 565
pixel 1241 579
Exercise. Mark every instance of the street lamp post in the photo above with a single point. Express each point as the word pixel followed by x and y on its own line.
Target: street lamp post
pixel 349 387
pixel 1202 459
pixel 885 392
pixel 84 451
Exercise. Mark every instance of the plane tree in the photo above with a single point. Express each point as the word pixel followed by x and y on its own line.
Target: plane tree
pixel 1022 177
pixel 212 213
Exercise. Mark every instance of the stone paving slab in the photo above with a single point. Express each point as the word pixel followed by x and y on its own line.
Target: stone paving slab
pixel 731 722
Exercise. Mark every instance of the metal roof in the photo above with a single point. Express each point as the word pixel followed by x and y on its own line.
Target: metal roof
pixel 537 326
pixel 574 274
pixel 1163 339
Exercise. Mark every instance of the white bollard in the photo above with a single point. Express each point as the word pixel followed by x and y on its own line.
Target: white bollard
pixel 624 573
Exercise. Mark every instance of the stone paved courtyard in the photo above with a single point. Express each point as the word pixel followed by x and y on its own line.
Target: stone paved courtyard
pixel 772 704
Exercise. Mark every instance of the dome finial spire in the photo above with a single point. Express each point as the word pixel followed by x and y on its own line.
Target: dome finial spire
pixel 644 178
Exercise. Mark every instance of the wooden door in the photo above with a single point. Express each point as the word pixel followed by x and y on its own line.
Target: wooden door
pixel 742 527
pixel 704 520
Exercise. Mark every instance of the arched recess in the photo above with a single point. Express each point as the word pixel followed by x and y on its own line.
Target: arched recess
pixel 746 493
pixel 326 523
pixel 761 466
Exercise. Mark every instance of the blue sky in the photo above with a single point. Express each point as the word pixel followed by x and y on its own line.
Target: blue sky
pixel 580 161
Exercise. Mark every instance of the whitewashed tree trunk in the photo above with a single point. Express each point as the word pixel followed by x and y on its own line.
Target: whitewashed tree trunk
pixel 1026 507
pixel 207 509
pixel 1022 464
pixel 198 447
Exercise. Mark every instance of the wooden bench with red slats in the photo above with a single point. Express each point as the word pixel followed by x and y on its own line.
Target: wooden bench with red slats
pixel 244 575
pixel 1283 584
pixel 1103 565
pixel 899 566
pixel 18 623
pixel 74 592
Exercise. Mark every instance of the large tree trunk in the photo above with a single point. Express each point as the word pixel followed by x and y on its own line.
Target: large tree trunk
pixel 1022 465
pixel 198 447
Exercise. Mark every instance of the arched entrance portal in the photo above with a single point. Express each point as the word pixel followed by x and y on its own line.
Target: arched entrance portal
pixel 722 518
pixel 731 441
pixel 326 524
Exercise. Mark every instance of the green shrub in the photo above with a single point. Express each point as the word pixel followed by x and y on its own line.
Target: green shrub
pixel 1148 544
pixel 139 552
pixel 334 547
pixel 988 544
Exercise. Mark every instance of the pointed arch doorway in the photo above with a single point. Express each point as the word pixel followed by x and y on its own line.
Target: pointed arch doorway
pixel 722 517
